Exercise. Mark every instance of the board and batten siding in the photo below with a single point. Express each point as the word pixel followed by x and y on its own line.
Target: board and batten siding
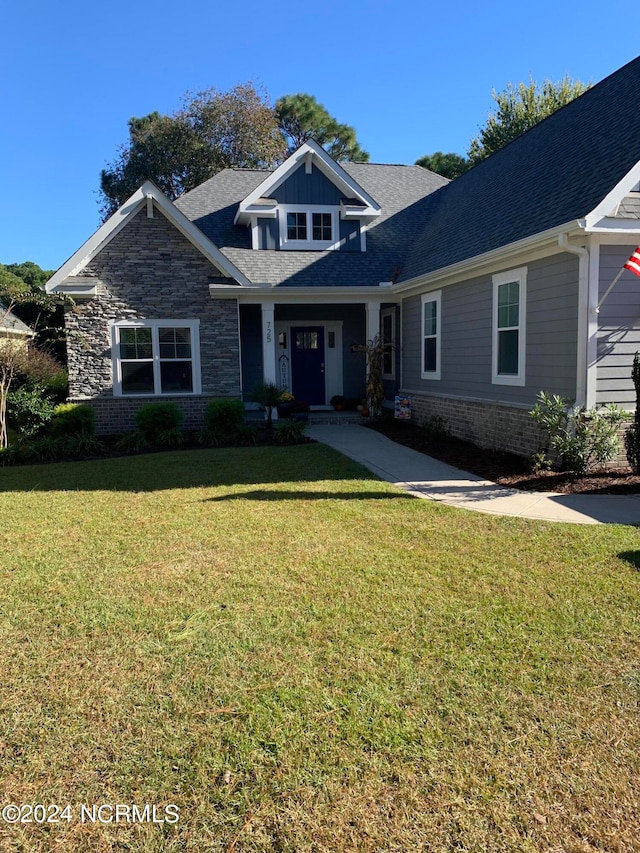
pixel 467 335
pixel 618 329
pixel 313 189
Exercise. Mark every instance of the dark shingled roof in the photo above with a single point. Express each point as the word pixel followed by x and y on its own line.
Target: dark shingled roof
pixel 557 172
pixel 399 190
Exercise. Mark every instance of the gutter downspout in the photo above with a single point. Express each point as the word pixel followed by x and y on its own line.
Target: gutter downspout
pixel 583 316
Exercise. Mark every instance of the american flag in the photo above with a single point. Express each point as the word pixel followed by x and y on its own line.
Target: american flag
pixel 633 264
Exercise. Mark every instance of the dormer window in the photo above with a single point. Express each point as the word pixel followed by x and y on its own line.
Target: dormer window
pixel 296 226
pixel 308 227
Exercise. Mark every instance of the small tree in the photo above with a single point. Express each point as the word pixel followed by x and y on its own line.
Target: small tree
pixel 267 395
pixel 632 437
pixel 580 437
pixel 13 357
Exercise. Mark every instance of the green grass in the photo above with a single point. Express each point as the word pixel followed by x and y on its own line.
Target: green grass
pixel 302 658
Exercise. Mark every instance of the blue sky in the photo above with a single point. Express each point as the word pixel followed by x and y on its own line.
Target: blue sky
pixel 412 77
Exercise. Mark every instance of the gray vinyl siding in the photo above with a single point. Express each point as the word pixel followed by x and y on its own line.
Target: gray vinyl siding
pixel 466 336
pixel 618 329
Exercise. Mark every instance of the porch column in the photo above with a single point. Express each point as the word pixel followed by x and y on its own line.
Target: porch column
pixel 373 320
pixel 269 344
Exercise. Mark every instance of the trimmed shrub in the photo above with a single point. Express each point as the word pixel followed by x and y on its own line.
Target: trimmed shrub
pixel 160 423
pixel 223 420
pixel 73 419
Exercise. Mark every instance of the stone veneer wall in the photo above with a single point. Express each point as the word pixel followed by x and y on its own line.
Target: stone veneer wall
pixel 150 271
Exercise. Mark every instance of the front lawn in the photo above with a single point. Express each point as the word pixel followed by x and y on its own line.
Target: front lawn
pixel 301 658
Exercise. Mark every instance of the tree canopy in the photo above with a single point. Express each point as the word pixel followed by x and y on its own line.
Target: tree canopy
pixel 448 165
pixel 301 117
pixel 22 288
pixel 211 131
pixel 214 130
pixel 518 109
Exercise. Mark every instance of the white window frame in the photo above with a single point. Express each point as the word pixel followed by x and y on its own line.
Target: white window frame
pixel 389 312
pixel 518 276
pixel 155 326
pixel 434 296
pixel 309 243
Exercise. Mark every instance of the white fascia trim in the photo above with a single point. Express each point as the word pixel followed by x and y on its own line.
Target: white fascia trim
pixel 611 201
pixel 327 165
pixel 543 241
pixel 300 295
pixel 120 218
pixel 609 225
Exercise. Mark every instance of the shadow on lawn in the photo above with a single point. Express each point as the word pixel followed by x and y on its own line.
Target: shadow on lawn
pixel 279 495
pixel 632 557
pixel 186 469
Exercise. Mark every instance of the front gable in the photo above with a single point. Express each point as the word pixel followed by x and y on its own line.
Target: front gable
pixel 147 202
pixel 309 203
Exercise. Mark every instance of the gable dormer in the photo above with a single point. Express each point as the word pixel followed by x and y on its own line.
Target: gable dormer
pixel 309 203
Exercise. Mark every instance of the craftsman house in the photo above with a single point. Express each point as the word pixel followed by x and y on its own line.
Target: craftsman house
pixel 485 290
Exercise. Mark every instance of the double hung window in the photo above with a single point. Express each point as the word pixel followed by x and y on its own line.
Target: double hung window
pixel 431 321
pixel 156 357
pixel 509 301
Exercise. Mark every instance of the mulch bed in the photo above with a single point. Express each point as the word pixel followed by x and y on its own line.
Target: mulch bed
pixel 506 468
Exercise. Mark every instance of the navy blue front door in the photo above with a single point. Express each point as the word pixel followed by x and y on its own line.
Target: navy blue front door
pixel 307 364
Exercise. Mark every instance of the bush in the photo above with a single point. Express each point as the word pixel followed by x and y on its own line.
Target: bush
pixel 632 437
pixel 160 424
pixel 290 431
pixel 580 437
pixel 29 410
pixel 73 419
pixel 434 428
pixel 223 420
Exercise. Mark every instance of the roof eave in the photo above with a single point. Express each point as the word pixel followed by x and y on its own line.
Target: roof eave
pixel 148 192
pixel 503 255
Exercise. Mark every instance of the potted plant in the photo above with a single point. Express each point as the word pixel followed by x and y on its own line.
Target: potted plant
pixel 285 403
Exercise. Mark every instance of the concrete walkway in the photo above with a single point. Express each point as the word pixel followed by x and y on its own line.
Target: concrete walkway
pixel 425 477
